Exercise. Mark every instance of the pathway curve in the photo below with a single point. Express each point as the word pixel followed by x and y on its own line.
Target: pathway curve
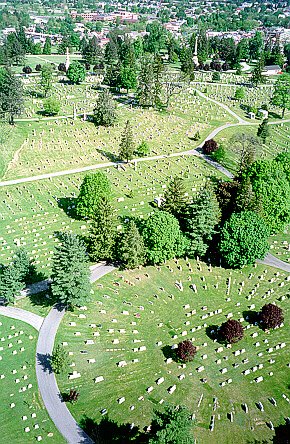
pixel 273 261
pixel 22 315
pixel 47 384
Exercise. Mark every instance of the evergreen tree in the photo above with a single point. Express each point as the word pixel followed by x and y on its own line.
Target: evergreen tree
pixel 127 77
pixel 281 95
pixel 257 74
pixel 245 197
pixel 23 265
pixel 102 232
pixel 105 110
pixel 201 219
pixel 70 271
pixel 46 78
pixel 91 51
pixel 131 247
pixel 10 283
pixel 59 360
pixel 47 46
pixel 94 188
pixel 263 130
pixel 172 426
pixel 175 197
pixel 11 95
pixel 158 69
pixel 127 146
pixel 145 90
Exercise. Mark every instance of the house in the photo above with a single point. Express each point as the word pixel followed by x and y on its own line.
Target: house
pixel 272 70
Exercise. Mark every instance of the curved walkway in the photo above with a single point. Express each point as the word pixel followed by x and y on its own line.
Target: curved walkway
pixel 47 384
pixel 273 261
pixel 22 315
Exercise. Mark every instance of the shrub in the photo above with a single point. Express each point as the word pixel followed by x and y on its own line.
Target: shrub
pixel 38 67
pixel 271 316
pixel 61 67
pixel 27 70
pixel 185 351
pixel 209 146
pixel 231 331
pixel 51 106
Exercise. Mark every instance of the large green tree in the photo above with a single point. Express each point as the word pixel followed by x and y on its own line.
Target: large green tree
pixel 10 283
pixel 281 95
pixel 102 232
pixel 11 95
pixel 163 238
pixel 70 272
pixel 23 265
pixel 127 146
pixel 263 130
pixel 105 110
pixel 202 217
pixel 175 197
pixel 46 78
pixel 272 189
pixel 76 72
pixel 172 426
pixel 145 90
pixel 94 188
pixel 131 247
pixel 243 239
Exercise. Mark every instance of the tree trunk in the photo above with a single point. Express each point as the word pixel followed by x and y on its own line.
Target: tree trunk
pixel 283 112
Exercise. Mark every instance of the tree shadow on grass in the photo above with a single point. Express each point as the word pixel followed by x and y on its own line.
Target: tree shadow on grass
pixel 110 156
pixel 282 434
pixel 44 299
pixel 108 431
pixel 251 316
pixel 44 361
pixel 168 352
pixel 274 115
pixel 68 205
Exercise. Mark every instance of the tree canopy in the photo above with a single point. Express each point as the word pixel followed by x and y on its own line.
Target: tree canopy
pixel 243 239
pixel 94 188
pixel 163 238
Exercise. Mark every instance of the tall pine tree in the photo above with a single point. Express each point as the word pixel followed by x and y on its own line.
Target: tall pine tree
pixel 127 145
pixel 102 232
pixel 175 197
pixel 203 214
pixel 70 271
pixel 131 248
pixel 10 283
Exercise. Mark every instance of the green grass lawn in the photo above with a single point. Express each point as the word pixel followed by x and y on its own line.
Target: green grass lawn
pixel 277 142
pixel 145 308
pixel 57 145
pixel 33 60
pixel 279 245
pixel 31 213
pixel 19 392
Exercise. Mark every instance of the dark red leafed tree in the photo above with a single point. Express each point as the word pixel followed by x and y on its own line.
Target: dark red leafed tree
pixel 62 67
pixel 185 351
pixel 231 331
pixel 27 70
pixel 271 316
pixel 209 146
pixel 38 67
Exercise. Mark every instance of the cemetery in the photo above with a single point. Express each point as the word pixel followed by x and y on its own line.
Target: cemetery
pixel 124 345
pixel 121 346
pixel 23 414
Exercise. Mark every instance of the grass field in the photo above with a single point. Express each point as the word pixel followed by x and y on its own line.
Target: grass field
pixel 278 141
pixel 31 213
pixel 256 97
pixel 145 308
pixel 33 60
pixel 21 405
pixel 57 145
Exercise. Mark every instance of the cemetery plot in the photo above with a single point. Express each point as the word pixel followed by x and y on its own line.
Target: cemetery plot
pixel 254 97
pixel 23 416
pixel 31 213
pixel 121 347
pixel 280 245
pixel 278 141
pixel 66 144
pixel 33 60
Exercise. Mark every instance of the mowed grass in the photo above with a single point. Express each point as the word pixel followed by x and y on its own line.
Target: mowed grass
pixel 255 97
pixel 278 141
pixel 31 213
pixel 132 309
pixel 65 144
pixel 15 387
pixel 33 60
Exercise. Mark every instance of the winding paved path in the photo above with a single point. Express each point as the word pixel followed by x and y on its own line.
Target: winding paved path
pixel 273 261
pixel 22 315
